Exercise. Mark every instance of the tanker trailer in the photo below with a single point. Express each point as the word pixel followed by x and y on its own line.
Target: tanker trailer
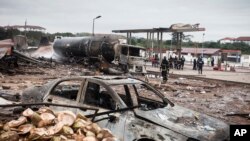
pixel 103 52
pixel 91 48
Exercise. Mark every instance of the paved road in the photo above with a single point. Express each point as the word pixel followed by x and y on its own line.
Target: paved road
pixel 241 75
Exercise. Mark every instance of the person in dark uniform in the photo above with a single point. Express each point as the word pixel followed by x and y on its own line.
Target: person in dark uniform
pixel 194 64
pixel 156 61
pixel 170 62
pixel 164 69
pixel 182 62
pixel 175 62
pixel 212 61
pixel 153 61
pixel 200 65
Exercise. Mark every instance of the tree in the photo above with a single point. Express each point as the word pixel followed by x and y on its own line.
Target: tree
pixel 2 34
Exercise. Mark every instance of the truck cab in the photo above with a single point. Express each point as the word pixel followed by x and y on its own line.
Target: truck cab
pixel 131 58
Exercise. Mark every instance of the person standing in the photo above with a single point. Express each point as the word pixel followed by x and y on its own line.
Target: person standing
pixel 171 62
pixel 208 61
pixel 200 64
pixel 153 60
pixel 175 62
pixel 212 61
pixel 156 61
pixel 194 64
pixel 182 62
pixel 178 63
pixel 164 69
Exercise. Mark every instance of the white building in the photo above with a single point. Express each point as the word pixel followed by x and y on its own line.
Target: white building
pixel 227 40
pixel 245 39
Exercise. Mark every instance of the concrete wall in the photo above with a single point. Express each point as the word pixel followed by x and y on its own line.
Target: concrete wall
pixel 226 41
pixel 245 60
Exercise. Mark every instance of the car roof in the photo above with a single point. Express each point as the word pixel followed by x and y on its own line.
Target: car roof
pixel 117 80
pixel 109 80
pixel 122 81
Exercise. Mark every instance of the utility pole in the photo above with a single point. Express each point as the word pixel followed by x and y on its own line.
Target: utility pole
pixel 25 24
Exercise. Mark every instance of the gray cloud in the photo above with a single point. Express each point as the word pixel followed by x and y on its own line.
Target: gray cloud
pixel 220 17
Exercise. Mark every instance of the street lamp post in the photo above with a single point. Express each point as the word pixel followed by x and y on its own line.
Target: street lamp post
pixel 93 27
pixel 202 43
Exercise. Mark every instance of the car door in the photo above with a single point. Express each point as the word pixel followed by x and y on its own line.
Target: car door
pixel 66 92
pixel 137 127
pixel 101 96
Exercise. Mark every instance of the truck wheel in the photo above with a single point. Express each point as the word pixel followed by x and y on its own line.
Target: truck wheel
pixel 145 139
pixel 125 68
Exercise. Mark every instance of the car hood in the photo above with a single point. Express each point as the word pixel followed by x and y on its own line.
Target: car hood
pixel 36 94
pixel 187 122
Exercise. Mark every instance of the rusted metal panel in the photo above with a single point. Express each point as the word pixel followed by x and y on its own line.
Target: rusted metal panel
pixel 3 51
pixel 5 47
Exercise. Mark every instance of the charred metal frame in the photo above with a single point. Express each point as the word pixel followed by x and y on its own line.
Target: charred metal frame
pixel 159 32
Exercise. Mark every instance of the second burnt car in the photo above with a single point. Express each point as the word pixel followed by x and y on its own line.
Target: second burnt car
pixel 148 115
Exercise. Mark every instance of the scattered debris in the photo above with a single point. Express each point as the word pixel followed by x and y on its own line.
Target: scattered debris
pixel 218 95
pixel 208 128
pixel 182 78
pixel 188 95
pixel 247 100
pixel 189 88
pixel 5 87
pixel 244 115
pixel 203 92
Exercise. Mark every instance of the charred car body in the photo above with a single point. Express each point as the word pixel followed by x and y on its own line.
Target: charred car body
pixel 149 119
pixel 104 52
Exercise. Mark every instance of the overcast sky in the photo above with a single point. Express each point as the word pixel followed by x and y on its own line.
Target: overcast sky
pixel 221 18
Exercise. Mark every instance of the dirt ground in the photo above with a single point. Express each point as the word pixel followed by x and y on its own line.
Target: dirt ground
pixel 214 98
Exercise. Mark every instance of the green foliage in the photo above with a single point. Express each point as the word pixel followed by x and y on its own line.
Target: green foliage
pixel 64 34
pixel 81 34
pixel 134 41
pixel 245 48
pixel 211 45
pixel 8 34
pixel 33 37
pixel 2 34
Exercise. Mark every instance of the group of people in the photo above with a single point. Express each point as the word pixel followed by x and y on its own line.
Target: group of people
pixel 199 63
pixel 170 64
pixel 155 61
pixel 210 60
pixel 176 63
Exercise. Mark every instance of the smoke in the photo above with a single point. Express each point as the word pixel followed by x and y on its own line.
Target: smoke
pixel 43 51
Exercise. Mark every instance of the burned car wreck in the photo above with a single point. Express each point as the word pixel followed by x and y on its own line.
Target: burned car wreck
pixel 124 107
